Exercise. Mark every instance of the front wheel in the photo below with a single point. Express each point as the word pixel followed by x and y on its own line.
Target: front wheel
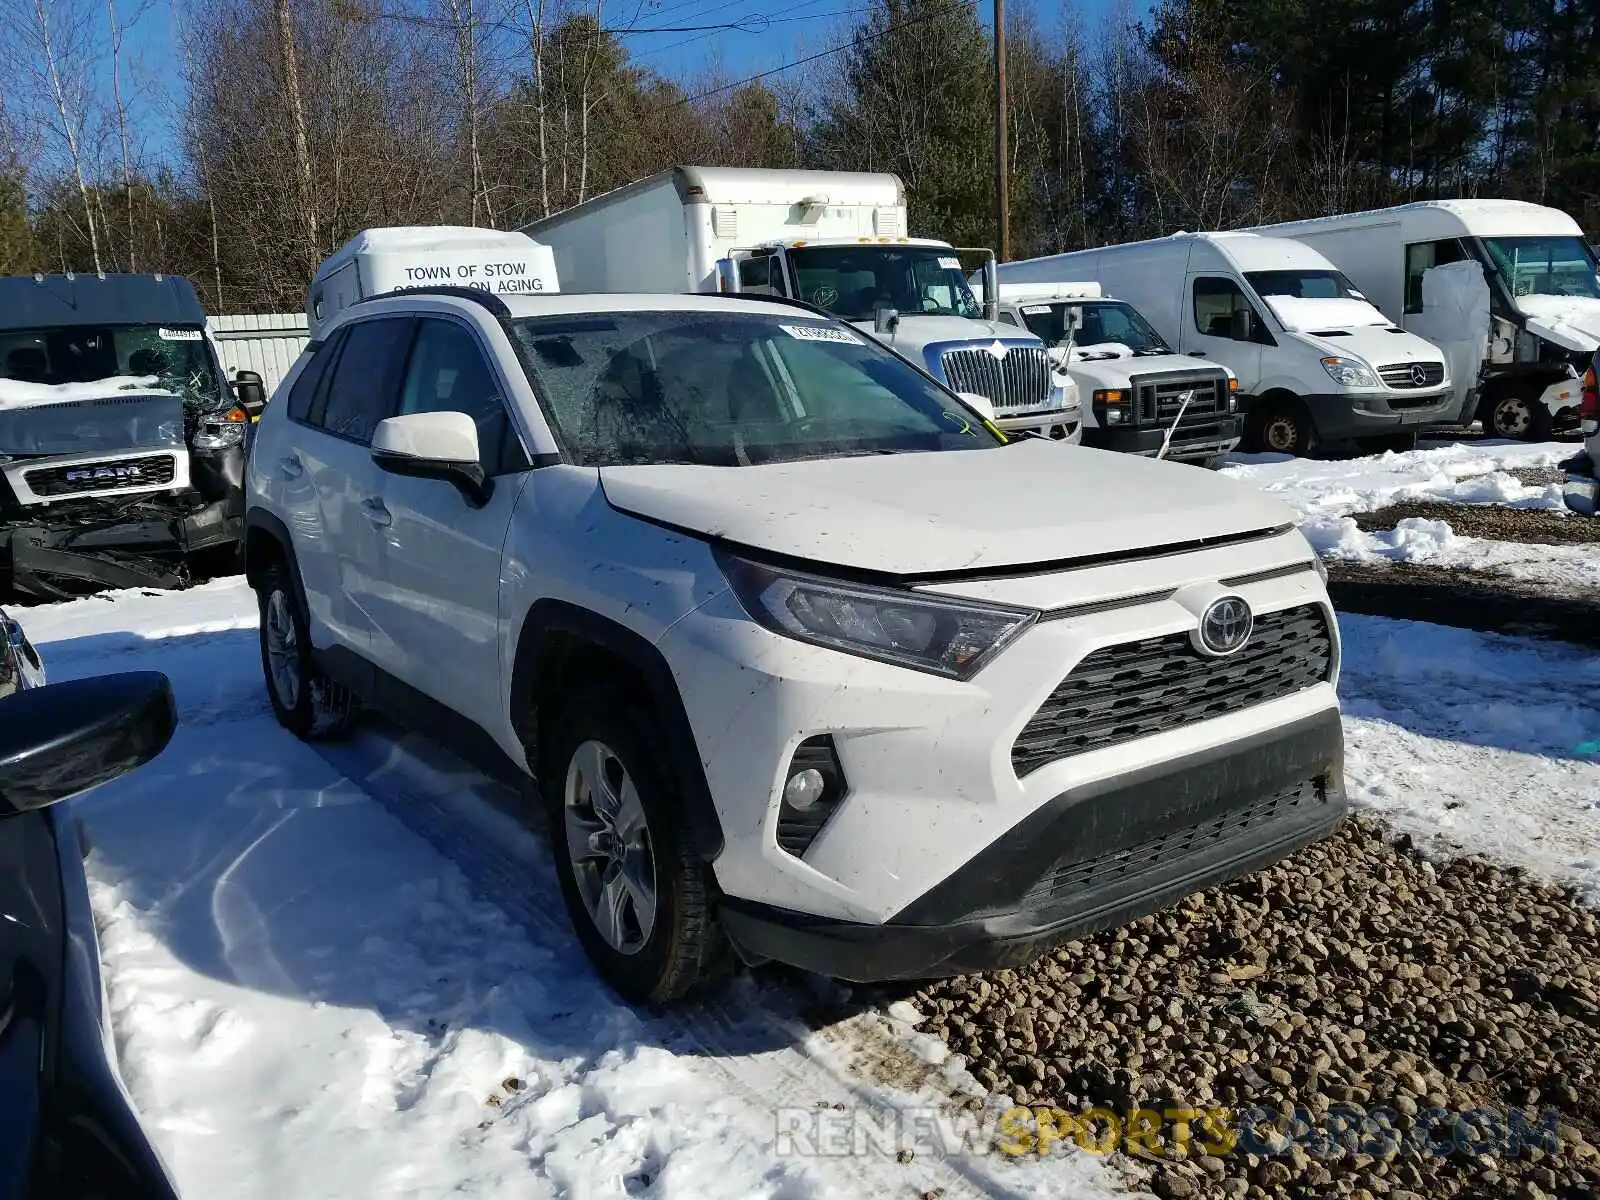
pixel 639 899
pixel 1282 428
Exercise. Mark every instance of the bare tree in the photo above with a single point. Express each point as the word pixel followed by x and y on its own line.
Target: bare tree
pixel 289 63
pixel 117 29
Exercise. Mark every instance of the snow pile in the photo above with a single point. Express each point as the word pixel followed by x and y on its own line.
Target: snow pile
pixel 16 393
pixel 1312 314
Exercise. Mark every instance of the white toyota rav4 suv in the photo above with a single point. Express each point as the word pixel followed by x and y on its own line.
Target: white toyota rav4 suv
pixel 807 662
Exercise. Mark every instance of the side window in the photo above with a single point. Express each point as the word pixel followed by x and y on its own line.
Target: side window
pixel 1215 302
pixel 305 388
pixel 1006 318
pixel 448 373
pixel 361 390
pixel 1422 255
pixel 755 275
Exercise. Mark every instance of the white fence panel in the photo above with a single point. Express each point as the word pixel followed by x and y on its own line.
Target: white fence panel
pixel 267 343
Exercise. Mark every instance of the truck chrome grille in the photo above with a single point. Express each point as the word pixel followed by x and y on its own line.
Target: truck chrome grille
pixel 1119 693
pixel 1412 375
pixel 1017 383
pixel 151 471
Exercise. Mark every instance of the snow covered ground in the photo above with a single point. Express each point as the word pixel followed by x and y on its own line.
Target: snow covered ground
pixel 1324 494
pixel 346 970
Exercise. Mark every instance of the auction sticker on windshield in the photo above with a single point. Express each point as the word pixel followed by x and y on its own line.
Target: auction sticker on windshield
pixel 817 333
pixel 178 335
pixel 950 264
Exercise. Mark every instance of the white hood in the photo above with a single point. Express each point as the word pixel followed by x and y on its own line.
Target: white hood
pixel 922 514
pixel 1301 315
pixel 916 331
pixel 1116 372
pixel 1378 346
pixel 1571 322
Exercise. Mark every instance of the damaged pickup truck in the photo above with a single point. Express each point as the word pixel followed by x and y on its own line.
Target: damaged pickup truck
pixel 122 445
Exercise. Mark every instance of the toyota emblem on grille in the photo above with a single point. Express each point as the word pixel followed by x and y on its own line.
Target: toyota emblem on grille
pixel 1419 374
pixel 1224 627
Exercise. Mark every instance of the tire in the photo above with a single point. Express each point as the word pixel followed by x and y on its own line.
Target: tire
pixel 1282 428
pixel 610 856
pixel 1517 415
pixel 306 702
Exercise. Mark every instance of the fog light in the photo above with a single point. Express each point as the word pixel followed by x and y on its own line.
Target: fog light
pixel 804 789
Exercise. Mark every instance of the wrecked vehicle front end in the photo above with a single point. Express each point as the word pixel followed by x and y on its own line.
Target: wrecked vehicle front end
pixel 133 489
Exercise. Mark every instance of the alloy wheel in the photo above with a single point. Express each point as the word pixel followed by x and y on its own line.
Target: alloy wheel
pixel 283 650
pixel 608 842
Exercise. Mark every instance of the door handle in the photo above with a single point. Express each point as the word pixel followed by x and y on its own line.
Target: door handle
pixel 374 510
pixel 291 467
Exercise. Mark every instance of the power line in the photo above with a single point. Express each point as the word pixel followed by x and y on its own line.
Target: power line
pixel 766 22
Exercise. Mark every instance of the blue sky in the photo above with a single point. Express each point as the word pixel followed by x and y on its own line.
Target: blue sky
pixel 769 33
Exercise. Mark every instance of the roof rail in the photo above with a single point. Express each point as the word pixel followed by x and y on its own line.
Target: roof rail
pixel 489 300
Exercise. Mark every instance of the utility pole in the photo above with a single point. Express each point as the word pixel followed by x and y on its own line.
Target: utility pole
pixel 1001 155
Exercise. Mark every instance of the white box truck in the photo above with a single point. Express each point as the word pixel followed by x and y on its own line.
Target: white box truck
pixel 1139 395
pixel 398 257
pixel 831 239
pixel 1315 361
pixel 1542 290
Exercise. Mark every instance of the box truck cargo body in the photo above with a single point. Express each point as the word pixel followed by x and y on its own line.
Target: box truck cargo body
pixel 1315 361
pixel 1541 286
pixel 835 240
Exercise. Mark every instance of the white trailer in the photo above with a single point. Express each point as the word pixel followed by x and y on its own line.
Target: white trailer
pixel 1142 396
pixel 1540 285
pixel 397 258
pixel 834 240
pixel 1315 361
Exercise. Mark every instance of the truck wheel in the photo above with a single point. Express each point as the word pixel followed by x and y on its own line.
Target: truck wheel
pixel 1282 428
pixel 1518 415
pixel 640 900
pixel 306 702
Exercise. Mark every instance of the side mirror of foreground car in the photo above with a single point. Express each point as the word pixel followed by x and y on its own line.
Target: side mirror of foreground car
pixel 434 445
pixel 65 738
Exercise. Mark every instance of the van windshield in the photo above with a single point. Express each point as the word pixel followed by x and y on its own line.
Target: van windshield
pixel 731 389
pixel 1105 322
pixel 853 282
pixel 1545 266
pixel 1304 285
pixel 74 358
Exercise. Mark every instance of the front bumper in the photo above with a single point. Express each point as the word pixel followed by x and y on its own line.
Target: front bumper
pixel 1093 857
pixel 1215 436
pixel 1341 415
pixel 1061 425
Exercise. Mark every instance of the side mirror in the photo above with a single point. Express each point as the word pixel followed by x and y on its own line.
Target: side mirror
pixel 885 320
pixel 1072 320
pixel 252 392
pixel 434 445
pixel 727 276
pixel 1240 325
pixel 981 403
pixel 65 738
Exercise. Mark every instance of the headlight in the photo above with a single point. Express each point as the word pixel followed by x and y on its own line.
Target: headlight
pixel 220 430
pixel 953 638
pixel 1347 372
pixel 1111 406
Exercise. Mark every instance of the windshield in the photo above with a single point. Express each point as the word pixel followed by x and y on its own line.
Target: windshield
pixel 731 389
pixel 1104 321
pixel 853 282
pixel 171 359
pixel 1304 285
pixel 1545 266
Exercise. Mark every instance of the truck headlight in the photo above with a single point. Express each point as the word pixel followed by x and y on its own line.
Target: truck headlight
pixel 219 430
pixel 1348 372
pixel 1233 394
pixel 1111 406
pixel 953 638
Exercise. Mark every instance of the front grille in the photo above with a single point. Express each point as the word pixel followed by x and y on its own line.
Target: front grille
pixel 1129 691
pixel 1068 877
pixel 1160 399
pixel 154 471
pixel 1017 383
pixel 1412 375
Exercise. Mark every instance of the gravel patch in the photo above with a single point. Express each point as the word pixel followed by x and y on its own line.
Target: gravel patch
pixel 1540 526
pixel 1355 972
pixel 1538 476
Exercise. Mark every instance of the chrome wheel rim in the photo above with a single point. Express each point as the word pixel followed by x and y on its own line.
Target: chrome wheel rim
pixel 608 844
pixel 1513 416
pixel 283 650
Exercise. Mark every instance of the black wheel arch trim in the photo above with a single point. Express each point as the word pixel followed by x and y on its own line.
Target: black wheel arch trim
pixel 254 572
pixel 557 617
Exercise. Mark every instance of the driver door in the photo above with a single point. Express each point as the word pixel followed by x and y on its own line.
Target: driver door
pixel 1216 305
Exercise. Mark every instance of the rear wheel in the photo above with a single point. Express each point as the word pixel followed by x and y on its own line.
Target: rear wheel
pixel 1518 415
pixel 306 702
pixel 639 899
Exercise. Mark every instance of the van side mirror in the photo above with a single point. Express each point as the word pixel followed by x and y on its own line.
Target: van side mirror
pixel 65 738
pixel 1241 327
pixel 885 320
pixel 252 392
pixel 727 276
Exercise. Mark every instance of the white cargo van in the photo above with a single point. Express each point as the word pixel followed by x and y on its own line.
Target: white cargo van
pixel 1142 397
pixel 835 240
pixel 398 258
pixel 1542 287
pixel 1315 361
